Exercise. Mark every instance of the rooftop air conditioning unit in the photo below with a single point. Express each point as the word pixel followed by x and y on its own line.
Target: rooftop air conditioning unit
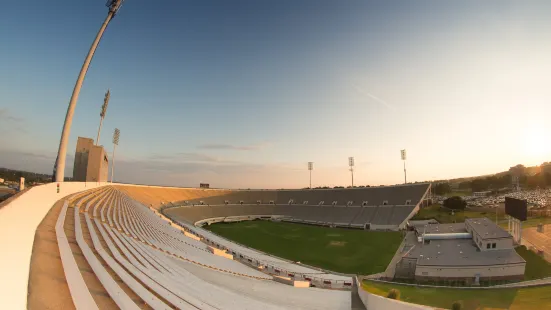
pixel 305 202
pixel 408 202
pixel 291 201
pixel 258 202
pixel 241 202
pixel 364 203
pixel 349 203
pixel 334 203
pixel 226 202
pixel 271 202
pixel 201 202
pixel 385 202
pixel 321 203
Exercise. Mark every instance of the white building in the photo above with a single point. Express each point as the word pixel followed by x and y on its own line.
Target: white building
pixel 472 251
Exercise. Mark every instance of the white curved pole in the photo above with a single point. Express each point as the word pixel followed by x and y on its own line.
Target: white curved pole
pixel 59 169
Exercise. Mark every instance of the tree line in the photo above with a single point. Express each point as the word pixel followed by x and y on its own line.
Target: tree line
pixel 540 177
pixel 30 177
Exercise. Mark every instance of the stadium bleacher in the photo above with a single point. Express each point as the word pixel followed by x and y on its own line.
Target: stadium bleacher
pixel 141 261
pixel 385 208
pixel 393 195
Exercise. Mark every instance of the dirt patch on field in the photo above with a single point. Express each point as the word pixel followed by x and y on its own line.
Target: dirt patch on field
pixel 337 243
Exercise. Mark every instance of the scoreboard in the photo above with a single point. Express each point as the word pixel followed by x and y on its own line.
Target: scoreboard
pixel 516 208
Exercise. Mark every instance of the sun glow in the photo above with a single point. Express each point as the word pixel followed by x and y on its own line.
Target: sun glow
pixel 536 143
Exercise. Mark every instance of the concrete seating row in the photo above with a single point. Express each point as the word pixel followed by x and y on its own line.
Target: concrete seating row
pixel 160 265
pixel 391 195
pixel 344 216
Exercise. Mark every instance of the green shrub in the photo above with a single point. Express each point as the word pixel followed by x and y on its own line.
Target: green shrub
pixel 457 305
pixel 394 294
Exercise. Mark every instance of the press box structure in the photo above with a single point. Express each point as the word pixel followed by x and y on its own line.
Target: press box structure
pixel 91 162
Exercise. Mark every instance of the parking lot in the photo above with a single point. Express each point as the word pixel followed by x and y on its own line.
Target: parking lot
pixel 541 241
pixel 537 199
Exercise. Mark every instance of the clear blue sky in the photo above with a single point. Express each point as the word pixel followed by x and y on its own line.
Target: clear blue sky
pixel 245 93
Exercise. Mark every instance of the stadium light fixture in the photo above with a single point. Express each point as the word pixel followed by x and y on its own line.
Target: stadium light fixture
pixel 351 165
pixel 59 167
pixel 103 112
pixel 310 168
pixel 116 136
pixel 403 154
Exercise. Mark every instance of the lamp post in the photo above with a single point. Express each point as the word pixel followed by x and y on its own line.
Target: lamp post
pixel 102 114
pixel 116 136
pixel 351 165
pixel 403 154
pixel 310 168
pixel 59 168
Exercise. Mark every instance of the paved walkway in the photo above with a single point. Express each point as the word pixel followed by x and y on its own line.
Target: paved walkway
pixel 409 240
pixel 542 241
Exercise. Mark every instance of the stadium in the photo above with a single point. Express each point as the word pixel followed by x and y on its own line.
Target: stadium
pixel 238 95
pixel 109 246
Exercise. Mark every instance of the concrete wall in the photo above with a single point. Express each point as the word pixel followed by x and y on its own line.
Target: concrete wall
pixel 415 210
pixel 481 243
pixel 218 252
pixel 194 237
pixel 495 272
pixel 372 301
pixel 97 165
pixel 80 165
pixel 384 227
pixel 91 164
pixel 405 268
pixel 291 282
pixel 18 222
pixel 501 243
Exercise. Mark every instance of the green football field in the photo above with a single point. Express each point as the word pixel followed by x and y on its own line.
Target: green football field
pixel 336 249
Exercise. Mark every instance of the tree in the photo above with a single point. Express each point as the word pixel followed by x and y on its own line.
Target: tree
pixel 442 188
pixel 465 185
pixel 547 178
pixel 394 294
pixel 518 170
pixel 457 305
pixel 455 203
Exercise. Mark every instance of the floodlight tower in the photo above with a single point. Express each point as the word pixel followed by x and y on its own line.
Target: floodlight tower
pixel 310 168
pixel 351 165
pixel 116 135
pixel 102 114
pixel 59 168
pixel 403 153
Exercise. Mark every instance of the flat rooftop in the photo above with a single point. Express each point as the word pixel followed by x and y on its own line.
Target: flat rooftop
pixel 441 228
pixel 460 252
pixel 486 229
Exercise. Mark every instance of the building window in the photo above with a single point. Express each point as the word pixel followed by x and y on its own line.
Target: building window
pixel 493 245
pixel 488 245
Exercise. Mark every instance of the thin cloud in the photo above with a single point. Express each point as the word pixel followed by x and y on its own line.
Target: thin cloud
pixel 184 157
pixel 222 146
pixel 379 100
pixel 5 115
